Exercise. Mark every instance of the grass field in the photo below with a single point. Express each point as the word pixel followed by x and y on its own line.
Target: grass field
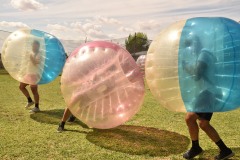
pixel 154 133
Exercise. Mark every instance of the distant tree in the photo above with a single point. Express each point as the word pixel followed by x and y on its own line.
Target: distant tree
pixel 137 42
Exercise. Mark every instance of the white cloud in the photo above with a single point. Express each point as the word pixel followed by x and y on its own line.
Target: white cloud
pixel 125 29
pixel 86 26
pixel 97 34
pixel 116 17
pixel 148 25
pixel 27 5
pixel 77 31
pixel 77 25
pixel 64 32
pixel 13 24
pixel 117 20
pixel 89 26
pixel 113 36
pixel 107 20
pixel 57 27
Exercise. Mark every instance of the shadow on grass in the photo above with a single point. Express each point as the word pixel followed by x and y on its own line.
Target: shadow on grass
pixel 3 72
pixel 53 117
pixel 211 153
pixel 138 140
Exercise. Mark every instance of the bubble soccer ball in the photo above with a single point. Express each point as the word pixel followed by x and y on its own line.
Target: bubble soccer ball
pixel 102 85
pixel 32 56
pixel 141 63
pixel 194 65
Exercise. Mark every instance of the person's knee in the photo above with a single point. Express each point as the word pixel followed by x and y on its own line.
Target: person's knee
pixel 204 124
pixel 34 90
pixel 190 118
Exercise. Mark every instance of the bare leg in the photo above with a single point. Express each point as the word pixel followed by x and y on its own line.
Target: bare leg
pixel 225 152
pixel 209 130
pixel 191 120
pixel 66 115
pixel 34 89
pixel 22 87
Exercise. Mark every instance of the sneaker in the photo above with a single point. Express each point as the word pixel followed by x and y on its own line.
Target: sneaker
pixel 71 119
pixel 34 110
pixel 29 104
pixel 193 152
pixel 224 154
pixel 60 128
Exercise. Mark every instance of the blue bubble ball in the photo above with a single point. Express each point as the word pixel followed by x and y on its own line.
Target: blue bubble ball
pixel 194 65
pixel 32 56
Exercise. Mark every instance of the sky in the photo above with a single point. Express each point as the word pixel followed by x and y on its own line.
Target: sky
pixel 107 19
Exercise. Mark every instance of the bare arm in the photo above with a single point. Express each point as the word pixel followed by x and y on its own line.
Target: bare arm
pixel 190 69
pixel 34 60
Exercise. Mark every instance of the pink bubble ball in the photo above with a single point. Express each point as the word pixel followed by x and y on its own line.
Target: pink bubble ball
pixel 102 85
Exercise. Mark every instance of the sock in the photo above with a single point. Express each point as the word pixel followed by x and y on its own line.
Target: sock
pixel 29 99
pixel 221 145
pixel 195 144
pixel 36 105
pixel 62 124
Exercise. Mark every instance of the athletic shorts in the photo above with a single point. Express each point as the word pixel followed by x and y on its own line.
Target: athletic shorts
pixel 205 116
pixel 205 101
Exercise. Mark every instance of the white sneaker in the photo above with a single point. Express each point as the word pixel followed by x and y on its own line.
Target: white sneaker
pixel 35 110
pixel 29 104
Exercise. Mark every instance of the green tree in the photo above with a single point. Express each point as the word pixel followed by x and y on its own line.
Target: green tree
pixel 137 42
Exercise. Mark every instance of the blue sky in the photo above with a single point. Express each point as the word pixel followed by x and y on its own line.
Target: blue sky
pixel 107 19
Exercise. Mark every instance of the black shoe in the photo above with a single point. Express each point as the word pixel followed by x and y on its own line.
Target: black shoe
pixel 193 152
pixel 60 128
pixel 71 119
pixel 224 154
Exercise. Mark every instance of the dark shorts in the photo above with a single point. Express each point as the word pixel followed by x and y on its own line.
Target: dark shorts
pixel 205 116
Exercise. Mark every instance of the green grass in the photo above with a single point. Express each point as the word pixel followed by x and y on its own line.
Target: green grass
pixel 154 133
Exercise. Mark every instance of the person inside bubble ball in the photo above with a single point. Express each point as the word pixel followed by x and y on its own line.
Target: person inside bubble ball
pixel 203 71
pixel 32 66
pixel 98 85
